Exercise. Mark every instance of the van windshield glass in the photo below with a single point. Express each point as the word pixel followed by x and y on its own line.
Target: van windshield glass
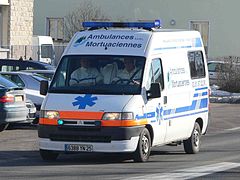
pixel 99 74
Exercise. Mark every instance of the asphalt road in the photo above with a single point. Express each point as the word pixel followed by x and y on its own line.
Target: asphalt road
pixel 219 157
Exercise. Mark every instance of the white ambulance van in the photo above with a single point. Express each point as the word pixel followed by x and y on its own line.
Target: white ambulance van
pixel 125 88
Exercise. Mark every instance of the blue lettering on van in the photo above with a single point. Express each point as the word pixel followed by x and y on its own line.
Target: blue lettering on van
pixel 196 42
pixel 83 102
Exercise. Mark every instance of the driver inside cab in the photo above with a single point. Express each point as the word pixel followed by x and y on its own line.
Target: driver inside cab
pixel 130 74
pixel 85 74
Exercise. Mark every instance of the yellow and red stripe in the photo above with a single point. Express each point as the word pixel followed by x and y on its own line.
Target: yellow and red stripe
pixel 73 115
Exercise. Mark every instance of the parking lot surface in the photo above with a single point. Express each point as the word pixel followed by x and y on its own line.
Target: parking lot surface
pixel 20 159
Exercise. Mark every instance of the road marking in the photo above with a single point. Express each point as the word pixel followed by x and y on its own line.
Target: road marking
pixel 190 172
pixel 233 129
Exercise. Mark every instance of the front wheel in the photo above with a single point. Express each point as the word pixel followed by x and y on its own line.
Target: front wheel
pixel 144 147
pixel 192 144
pixel 48 155
pixel 3 127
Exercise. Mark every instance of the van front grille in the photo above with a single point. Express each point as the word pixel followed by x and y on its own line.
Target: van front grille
pixel 76 138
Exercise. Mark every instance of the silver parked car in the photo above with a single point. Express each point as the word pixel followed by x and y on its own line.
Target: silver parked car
pixel 12 103
pixel 31 117
pixel 221 70
pixel 31 84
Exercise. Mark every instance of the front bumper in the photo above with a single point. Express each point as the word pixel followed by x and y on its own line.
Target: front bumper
pixel 10 116
pixel 103 139
pixel 112 147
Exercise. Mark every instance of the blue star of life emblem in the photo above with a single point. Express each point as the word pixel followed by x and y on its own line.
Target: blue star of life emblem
pixel 159 112
pixel 83 101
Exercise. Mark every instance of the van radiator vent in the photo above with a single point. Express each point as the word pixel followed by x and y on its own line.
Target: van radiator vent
pixel 76 138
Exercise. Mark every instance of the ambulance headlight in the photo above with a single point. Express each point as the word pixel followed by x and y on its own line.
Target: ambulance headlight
pixel 117 116
pixel 50 114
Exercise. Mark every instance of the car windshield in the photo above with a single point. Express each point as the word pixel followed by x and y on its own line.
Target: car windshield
pixel 47 76
pixel 222 66
pixel 39 77
pixel 7 83
pixel 99 74
pixel 49 67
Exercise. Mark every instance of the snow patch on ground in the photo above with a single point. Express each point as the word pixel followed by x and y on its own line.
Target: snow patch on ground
pixel 219 96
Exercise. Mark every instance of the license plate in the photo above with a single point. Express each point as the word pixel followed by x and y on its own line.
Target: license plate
pixel 78 147
pixel 18 98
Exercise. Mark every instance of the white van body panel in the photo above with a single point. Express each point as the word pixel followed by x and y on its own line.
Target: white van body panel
pixel 104 103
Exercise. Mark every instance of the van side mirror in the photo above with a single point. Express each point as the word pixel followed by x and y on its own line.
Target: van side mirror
pixel 43 87
pixel 155 91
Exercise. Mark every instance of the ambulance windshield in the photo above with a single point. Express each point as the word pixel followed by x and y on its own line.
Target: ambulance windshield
pixel 98 74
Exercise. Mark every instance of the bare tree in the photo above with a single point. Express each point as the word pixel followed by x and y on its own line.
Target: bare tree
pixel 229 74
pixel 87 11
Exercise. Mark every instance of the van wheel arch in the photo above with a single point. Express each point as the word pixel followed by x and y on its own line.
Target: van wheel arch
pixel 192 144
pixel 200 123
pixel 143 150
pixel 150 129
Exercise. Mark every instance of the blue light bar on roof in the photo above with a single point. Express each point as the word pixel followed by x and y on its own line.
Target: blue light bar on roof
pixel 148 25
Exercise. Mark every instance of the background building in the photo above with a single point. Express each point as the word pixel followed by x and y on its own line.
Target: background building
pixel 215 19
pixel 16 28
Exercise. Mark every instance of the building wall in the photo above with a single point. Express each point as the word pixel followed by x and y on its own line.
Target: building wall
pixel 20 27
pixel 5 25
pixel 222 16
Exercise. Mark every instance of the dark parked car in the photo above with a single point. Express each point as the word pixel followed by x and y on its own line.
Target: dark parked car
pixel 18 65
pixel 12 103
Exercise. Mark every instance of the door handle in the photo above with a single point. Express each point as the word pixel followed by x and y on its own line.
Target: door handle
pixel 165 100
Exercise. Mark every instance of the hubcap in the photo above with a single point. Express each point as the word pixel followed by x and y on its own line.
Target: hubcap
pixel 145 144
pixel 196 138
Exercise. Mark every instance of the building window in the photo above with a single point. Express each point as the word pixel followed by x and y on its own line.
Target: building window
pixel 203 28
pixel 55 28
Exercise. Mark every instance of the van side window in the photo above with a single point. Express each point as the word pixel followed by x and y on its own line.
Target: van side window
pixel 157 72
pixel 61 74
pixel 196 62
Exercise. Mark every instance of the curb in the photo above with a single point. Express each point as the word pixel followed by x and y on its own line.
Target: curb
pixel 225 99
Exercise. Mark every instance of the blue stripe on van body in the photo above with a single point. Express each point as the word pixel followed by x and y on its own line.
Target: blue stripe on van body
pixel 203 88
pixel 196 105
pixel 184 115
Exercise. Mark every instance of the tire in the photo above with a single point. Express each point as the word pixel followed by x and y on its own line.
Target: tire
pixel 48 155
pixel 144 147
pixel 3 127
pixel 192 144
